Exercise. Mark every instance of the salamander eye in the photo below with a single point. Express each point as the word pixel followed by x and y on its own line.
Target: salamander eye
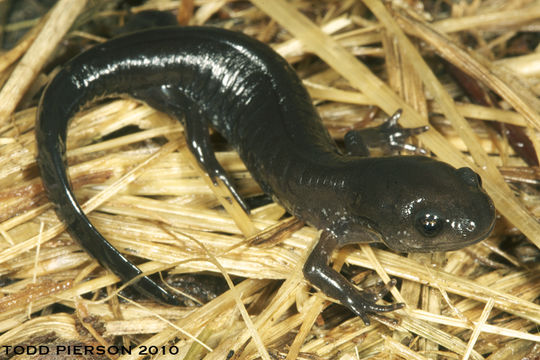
pixel 469 176
pixel 479 179
pixel 429 223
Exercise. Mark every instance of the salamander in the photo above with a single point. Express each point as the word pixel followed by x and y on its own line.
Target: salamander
pixel 213 78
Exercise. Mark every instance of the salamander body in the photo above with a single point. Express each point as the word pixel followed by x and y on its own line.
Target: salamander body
pixel 209 77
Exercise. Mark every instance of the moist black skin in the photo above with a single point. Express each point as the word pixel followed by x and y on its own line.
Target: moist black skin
pixel 209 77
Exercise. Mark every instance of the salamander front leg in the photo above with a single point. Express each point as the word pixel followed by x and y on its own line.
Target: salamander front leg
pixel 318 272
pixel 389 136
pixel 198 141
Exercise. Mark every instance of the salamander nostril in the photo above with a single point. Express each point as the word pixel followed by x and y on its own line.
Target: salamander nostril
pixel 469 176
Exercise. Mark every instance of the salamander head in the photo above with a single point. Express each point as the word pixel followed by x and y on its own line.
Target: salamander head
pixel 417 204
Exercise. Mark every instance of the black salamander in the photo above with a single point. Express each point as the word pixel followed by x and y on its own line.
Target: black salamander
pixel 208 77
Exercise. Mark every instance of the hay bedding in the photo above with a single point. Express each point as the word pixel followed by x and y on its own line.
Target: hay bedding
pixel 143 192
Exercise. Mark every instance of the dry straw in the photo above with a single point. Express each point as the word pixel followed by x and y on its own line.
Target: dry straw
pixel 145 193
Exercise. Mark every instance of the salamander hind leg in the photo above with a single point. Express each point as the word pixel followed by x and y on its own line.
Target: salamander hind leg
pixel 389 136
pixel 198 141
pixel 318 272
pixel 174 102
